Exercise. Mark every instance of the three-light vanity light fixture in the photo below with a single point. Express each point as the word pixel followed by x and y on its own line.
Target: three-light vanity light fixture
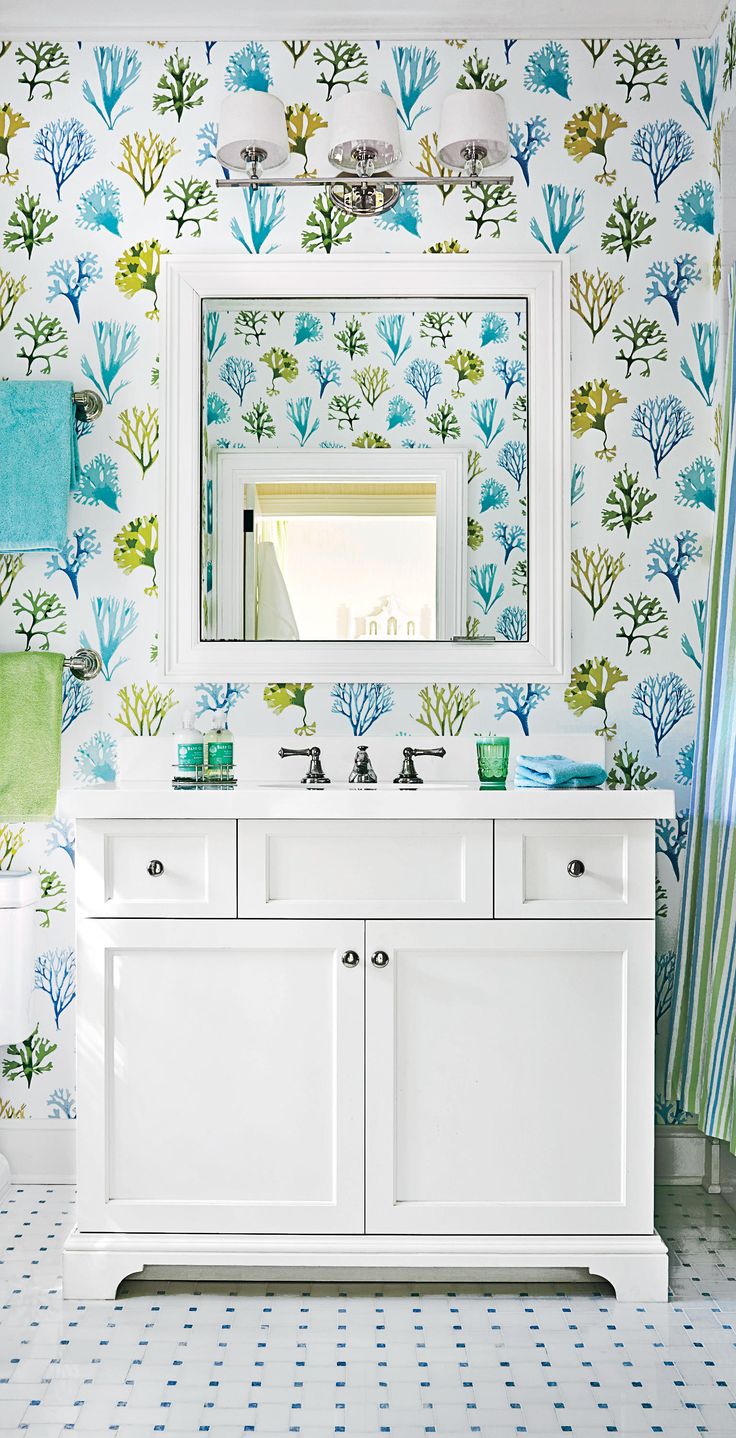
pixel 364 145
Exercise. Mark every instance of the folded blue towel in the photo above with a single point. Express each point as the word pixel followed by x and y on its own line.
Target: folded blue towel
pixel 555 771
pixel 38 463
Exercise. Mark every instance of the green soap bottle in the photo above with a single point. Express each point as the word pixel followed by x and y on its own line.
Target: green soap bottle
pixel 189 749
pixel 218 747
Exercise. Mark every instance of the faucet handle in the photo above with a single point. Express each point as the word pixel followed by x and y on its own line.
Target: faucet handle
pixel 315 773
pixel 408 774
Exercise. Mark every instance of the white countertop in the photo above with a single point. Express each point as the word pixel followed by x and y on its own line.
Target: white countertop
pixel 442 800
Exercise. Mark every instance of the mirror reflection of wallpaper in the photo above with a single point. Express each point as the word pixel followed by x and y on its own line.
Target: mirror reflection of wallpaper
pixel 388 375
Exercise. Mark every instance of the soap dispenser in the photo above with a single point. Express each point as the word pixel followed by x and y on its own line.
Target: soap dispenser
pixel 189 750
pixel 218 746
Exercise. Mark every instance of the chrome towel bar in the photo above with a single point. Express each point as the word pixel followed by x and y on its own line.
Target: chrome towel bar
pixel 89 402
pixel 85 664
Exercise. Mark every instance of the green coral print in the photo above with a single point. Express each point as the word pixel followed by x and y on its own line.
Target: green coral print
pixel 137 271
pixel 11 843
pixel 443 708
pixel 136 547
pixel 179 88
pixel 592 405
pixel 280 697
pixel 591 684
pixel 29 1059
pixel 143 708
pixel 283 366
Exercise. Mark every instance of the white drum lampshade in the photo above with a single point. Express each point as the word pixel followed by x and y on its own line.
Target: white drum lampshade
pixel 472 119
pixel 252 120
pixel 364 119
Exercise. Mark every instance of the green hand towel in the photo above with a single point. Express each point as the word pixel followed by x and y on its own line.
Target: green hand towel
pixel 30 735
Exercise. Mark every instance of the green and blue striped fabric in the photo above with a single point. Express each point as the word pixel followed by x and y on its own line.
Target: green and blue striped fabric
pixel 702 1049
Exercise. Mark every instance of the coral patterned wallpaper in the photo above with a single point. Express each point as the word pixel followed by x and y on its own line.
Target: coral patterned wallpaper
pixel 107 162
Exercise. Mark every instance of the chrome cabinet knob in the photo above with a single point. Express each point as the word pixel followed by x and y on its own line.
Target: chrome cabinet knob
pixel 379 960
pixel 576 868
pixel 155 868
pixel 350 959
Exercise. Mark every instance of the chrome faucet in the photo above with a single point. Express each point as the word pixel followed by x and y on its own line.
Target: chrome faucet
pixel 315 773
pixel 362 771
pixel 408 773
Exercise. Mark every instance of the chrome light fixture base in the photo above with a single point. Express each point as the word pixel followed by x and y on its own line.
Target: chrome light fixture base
pixel 365 196
pixel 363 190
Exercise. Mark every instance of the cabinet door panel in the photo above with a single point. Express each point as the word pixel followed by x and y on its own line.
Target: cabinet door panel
pixel 221 1077
pixel 509 1077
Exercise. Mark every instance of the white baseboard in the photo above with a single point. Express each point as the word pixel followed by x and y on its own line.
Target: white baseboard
pixel 679 1155
pixel 41 1150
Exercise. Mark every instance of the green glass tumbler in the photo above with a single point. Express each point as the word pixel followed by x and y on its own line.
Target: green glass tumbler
pixel 493 761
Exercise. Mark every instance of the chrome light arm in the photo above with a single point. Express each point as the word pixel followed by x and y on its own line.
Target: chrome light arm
pixel 356 182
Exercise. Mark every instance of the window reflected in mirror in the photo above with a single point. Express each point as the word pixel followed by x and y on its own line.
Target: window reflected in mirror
pixel 364 471
pixel 344 561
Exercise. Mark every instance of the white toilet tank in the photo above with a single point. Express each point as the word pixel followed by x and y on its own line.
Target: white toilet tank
pixel 20 892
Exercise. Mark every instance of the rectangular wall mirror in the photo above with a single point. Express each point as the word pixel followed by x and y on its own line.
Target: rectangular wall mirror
pixel 366 467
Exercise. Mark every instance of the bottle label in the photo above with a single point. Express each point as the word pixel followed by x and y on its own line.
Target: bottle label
pixel 190 755
pixel 220 754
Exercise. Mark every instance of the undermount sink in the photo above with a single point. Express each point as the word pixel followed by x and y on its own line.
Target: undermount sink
pixel 365 788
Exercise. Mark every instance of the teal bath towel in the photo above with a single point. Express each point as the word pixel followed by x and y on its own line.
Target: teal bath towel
pixel 30 734
pixel 555 771
pixel 38 463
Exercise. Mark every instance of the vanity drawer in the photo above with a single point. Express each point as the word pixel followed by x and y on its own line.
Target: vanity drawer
pixel 365 868
pixel 157 868
pixel 538 873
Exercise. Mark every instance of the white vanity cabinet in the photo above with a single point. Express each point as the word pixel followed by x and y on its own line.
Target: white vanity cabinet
pixel 413 1034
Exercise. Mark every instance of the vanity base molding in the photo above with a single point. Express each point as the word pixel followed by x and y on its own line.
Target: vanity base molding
pixel 96 1263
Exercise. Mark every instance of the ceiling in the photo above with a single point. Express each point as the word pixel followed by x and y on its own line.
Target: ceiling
pixel 385 19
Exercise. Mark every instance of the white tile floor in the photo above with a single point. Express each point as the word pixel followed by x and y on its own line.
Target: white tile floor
pixel 234 1358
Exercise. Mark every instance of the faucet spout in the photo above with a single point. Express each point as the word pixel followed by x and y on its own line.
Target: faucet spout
pixel 362 771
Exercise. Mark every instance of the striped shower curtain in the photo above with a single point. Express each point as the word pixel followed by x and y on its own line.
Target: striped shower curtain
pixel 701 1064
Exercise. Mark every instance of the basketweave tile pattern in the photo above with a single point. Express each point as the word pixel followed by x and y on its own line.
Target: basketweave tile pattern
pixel 321 1359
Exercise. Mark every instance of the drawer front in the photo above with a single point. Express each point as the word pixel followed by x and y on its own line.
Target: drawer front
pixel 533 880
pixel 157 868
pixel 403 868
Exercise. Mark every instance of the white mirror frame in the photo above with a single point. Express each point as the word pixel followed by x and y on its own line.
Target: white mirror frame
pixel 544 283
